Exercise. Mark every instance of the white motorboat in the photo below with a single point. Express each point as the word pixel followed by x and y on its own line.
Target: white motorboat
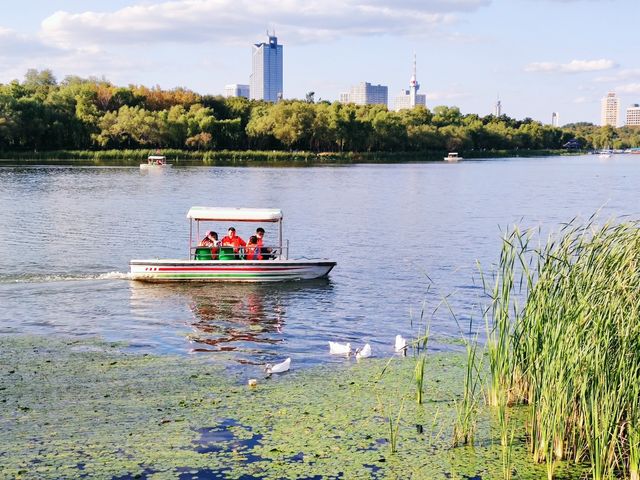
pixel 155 162
pixel 452 157
pixel 227 263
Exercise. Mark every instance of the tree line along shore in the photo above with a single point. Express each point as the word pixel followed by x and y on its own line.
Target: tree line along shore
pixel 80 118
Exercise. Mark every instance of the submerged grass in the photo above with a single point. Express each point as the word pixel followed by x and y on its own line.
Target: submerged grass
pixel 572 351
pixel 73 409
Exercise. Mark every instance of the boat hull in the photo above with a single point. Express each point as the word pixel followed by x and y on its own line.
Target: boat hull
pixel 228 271
pixel 147 166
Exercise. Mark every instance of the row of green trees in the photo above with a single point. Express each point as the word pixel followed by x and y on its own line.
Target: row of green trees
pixel 40 113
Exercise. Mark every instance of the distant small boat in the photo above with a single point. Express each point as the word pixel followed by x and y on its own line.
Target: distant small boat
pixel 452 157
pixel 605 153
pixel 155 161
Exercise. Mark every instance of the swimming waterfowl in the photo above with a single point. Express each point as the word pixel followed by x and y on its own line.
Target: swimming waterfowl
pixel 363 352
pixel 336 348
pixel 401 344
pixel 278 367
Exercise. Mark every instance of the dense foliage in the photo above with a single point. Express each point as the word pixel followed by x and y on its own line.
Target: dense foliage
pixel 572 351
pixel 41 113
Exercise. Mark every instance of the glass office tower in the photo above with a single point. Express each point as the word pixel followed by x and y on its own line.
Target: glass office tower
pixel 266 79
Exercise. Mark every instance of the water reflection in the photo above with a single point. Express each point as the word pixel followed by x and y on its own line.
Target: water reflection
pixel 247 322
pixel 235 317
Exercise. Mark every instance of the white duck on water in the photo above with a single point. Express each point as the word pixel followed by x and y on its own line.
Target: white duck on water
pixel 401 344
pixel 336 348
pixel 363 352
pixel 278 367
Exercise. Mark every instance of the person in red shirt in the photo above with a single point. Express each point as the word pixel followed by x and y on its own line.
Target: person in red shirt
pixel 264 253
pixel 233 240
pixel 252 252
pixel 211 240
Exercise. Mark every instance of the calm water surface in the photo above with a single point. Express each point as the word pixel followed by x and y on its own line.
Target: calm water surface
pixel 400 234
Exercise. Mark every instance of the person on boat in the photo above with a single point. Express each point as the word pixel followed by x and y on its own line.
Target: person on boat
pixel 233 240
pixel 264 253
pixel 211 240
pixel 252 251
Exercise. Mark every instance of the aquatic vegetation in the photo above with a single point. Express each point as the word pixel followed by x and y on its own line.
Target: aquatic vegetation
pixel 467 408
pixel 86 408
pixel 572 351
pixel 421 346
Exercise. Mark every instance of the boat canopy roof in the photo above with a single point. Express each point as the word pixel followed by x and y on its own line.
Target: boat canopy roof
pixel 156 157
pixel 235 214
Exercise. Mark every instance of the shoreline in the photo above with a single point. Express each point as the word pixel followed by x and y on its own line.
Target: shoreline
pixel 251 157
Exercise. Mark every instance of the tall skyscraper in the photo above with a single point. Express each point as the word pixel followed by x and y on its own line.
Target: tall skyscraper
pixel 410 98
pixel 236 90
pixel 265 81
pixel 366 94
pixel 555 119
pixel 633 115
pixel 497 109
pixel 610 110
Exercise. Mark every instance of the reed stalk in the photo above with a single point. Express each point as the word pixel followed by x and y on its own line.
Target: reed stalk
pixel 467 409
pixel 394 429
pixel 421 345
pixel 571 352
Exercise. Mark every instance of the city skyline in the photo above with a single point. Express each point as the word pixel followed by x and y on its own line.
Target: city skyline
pixel 537 57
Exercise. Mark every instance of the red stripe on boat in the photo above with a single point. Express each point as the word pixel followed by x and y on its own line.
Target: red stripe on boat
pixel 225 269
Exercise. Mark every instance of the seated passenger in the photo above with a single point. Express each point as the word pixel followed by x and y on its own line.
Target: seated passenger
pixel 211 240
pixel 234 241
pixel 252 252
pixel 264 253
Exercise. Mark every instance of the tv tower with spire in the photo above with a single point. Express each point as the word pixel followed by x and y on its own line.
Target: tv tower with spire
pixel 410 98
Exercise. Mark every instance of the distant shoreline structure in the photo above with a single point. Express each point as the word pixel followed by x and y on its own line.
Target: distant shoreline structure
pixel 185 158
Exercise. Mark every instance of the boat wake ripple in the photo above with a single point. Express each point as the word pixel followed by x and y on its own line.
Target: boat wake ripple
pixel 72 277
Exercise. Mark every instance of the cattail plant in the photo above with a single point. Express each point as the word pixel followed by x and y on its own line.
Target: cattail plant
pixel 571 352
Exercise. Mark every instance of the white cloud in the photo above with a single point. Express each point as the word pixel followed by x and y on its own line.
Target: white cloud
pixel 574 66
pixel 16 45
pixel 227 20
pixel 622 75
pixel 628 88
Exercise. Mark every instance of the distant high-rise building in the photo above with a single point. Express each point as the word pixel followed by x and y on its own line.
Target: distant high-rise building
pixel 366 94
pixel 410 98
pixel 236 90
pixel 497 110
pixel 265 82
pixel 555 119
pixel 633 115
pixel 610 110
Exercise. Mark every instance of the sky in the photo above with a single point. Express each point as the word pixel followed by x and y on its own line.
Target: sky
pixel 535 56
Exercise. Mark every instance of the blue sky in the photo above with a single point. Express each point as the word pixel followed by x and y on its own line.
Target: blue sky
pixel 538 56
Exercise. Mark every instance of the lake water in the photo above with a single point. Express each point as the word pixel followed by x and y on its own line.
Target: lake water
pixel 401 234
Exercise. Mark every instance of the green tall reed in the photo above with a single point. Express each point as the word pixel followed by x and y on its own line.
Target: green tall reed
pixel 571 351
pixel 421 344
pixel 467 409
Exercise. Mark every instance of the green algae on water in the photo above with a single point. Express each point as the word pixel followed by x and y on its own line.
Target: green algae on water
pixel 73 408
